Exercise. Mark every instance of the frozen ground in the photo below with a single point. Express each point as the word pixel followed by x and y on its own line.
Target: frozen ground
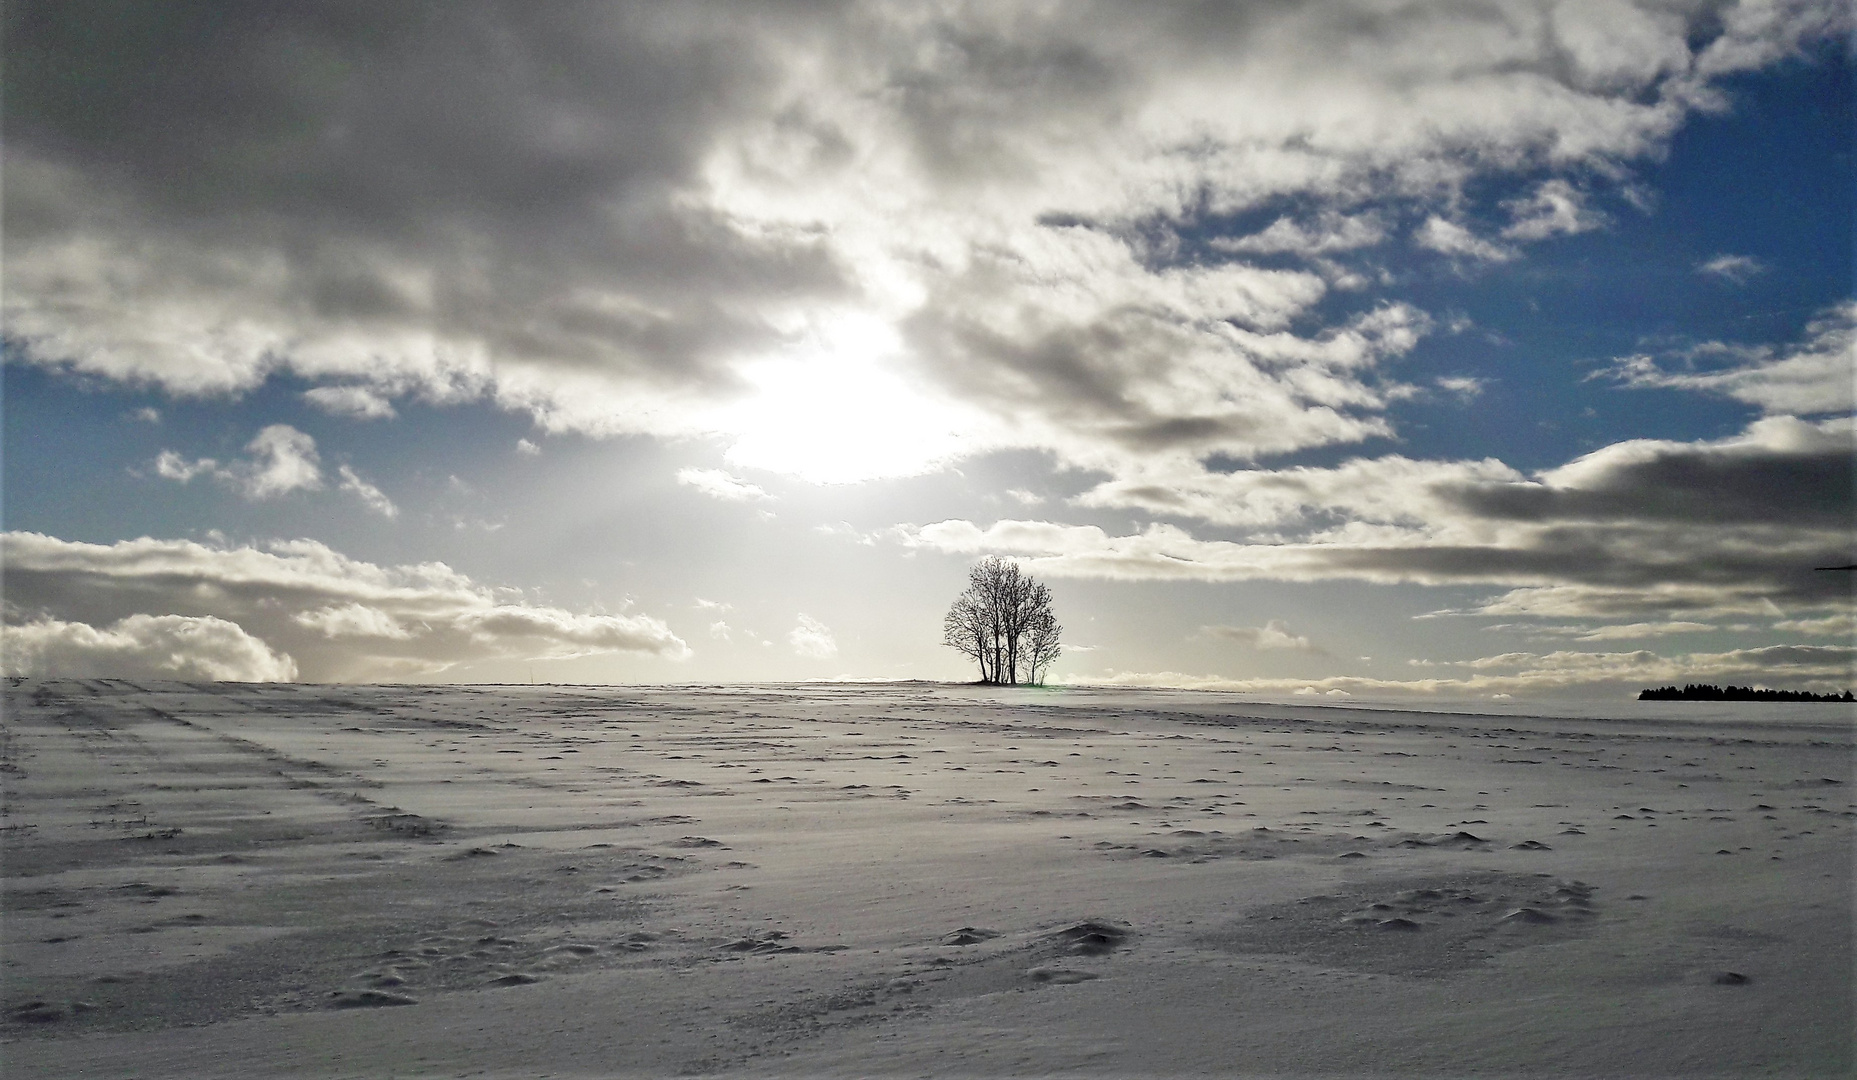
pixel 242 880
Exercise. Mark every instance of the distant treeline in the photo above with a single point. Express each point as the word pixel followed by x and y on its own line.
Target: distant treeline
pixel 1707 692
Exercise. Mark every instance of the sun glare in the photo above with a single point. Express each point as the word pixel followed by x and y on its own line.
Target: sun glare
pixel 837 409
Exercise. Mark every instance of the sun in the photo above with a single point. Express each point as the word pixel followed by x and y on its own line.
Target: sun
pixel 839 407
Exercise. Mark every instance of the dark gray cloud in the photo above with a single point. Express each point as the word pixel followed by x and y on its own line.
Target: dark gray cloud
pixel 1643 527
pixel 388 119
pixel 448 188
pixel 1812 489
pixel 1782 473
pixel 607 214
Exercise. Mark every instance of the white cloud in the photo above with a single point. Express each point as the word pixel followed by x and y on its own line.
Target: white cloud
pixel 527 448
pixel 844 530
pixel 337 618
pixel 371 497
pixel 1274 634
pixel 1450 238
pixel 720 485
pixel 1737 269
pixel 171 466
pixel 360 402
pixel 352 620
pixel 1462 387
pixel 1555 208
pixel 1625 631
pixel 1331 231
pixel 1841 624
pixel 144 647
pixel 282 460
pixel 1811 377
pixel 812 639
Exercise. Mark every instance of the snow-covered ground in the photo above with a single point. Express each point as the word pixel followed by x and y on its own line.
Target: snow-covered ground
pixel 241 880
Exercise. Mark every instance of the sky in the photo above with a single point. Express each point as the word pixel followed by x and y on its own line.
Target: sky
pixel 1468 349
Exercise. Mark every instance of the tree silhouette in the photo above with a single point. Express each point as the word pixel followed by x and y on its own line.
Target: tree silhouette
pixel 1004 623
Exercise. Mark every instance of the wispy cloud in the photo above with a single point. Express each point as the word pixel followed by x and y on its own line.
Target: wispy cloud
pixel 1451 238
pixel 1811 377
pixel 1554 208
pixel 1462 387
pixel 1615 675
pixel 1621 631
pixel 1330 231
pixel 360 402
pixel 1736 269
pixel 1275 634
pixel 371 497
pixel 720 485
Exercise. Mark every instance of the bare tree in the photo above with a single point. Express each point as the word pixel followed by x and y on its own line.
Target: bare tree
pixel 1042 644
pixel 966 629
pixel 1003 622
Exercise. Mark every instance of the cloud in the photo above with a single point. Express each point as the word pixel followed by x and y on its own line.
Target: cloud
pixel 1616 632
pixel 1811 377
pixel 370 496
pixel 527 448
pixel 720 485
pixel 283 460
pixel 1274 634
pixel 1556 208
pixel 649 219
pixel 1638 528
pixel 352 621
pixel 1331 231
pixel 1450 238
pixel 360 402
pixel 144 647
pixel 171 466
pixel 335 618
pixel 1735 269
pixel 1821 668
pixel 1781 471
pixel 811 638
pixel 1842 624
pixel 844 530
pixel 1463 387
